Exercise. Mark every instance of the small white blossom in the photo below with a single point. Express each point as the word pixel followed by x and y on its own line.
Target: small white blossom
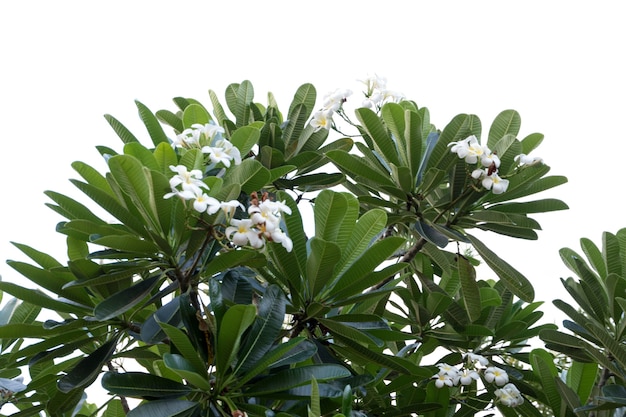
pixel 202 202
pixel 442 379
pixel 469 149
pixel 494 183
pixel 474 357
pixel 242 232
pixel 322 119
pixel 229 207
pixel 190 182
pixel 509 395
pixel 524 159
pixel 448 369
pixel 335 99
pixel 467 376
pixel 8 387
pixel 496 375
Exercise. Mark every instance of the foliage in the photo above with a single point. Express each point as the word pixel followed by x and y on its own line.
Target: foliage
pixel 206 286
pixel 595 337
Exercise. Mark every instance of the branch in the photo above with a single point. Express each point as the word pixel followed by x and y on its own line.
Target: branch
pixel 408 257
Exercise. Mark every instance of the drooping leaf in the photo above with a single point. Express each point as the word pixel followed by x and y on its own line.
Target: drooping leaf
pixel 517 283
pixel 89 367
pixel 125 300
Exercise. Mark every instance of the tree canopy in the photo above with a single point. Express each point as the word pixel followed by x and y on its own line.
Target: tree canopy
pixel 237 260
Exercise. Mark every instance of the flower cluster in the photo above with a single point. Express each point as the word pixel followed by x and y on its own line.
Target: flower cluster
pixel 377 93
pixel 262 225
pixel 323 118
pixel 474 365
pixel 188 185
pixel 473 152
pixel 208 138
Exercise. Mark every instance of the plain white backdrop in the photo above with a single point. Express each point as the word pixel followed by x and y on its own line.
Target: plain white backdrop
pixel 64 64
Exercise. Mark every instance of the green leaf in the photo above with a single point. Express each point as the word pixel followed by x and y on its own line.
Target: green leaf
pixel 89 367
pixel 165 156
pixel 511 278
pixel 37 297
pixel 293 351
pixel 120 129
pixel 126 299
pixel 581 378
pixel 152 124
pixel 294 377
pixel 266 328
pixel 142 385
pixel 527 207
pixel 383 143
pixel 471 292
pixel 321 263
pixel 135 181
pixel 195 114
pixel 164 408
pixel 530 142
pixel 170 119
pixel 251 174
pixel 507 122
pixel 235 322
pixel 245 138
pixel 367 262
pixel 306 95
pixel 183 368
pixel 355 167
pixel 330 209
pixel 114 409
pixel 545 369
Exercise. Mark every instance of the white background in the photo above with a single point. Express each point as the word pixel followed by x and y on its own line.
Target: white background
pixel 63 64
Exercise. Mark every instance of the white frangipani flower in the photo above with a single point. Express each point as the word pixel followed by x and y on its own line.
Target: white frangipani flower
pixel 443 379
pixel 322 119
pixel 496 375
pixel 204 203
pixel 335 99
pixel 474 357
pixel 242 233
pixel 494 183
pixel 524 159
pixel 469 149
pixel 509 395
pixel 467 376
pixel 190 182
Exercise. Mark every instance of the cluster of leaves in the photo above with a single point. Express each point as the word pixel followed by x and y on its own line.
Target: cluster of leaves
pixel 350 322
pixel 595 337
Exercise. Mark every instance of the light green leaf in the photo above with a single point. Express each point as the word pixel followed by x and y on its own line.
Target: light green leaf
pixel 245 138
pixel 507 122
pixel 152 124
pixel 187 371
pixel 120 129
pixel 195 114
pixel 251 174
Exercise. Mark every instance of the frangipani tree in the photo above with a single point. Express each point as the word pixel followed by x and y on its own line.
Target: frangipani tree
pixel 205 290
